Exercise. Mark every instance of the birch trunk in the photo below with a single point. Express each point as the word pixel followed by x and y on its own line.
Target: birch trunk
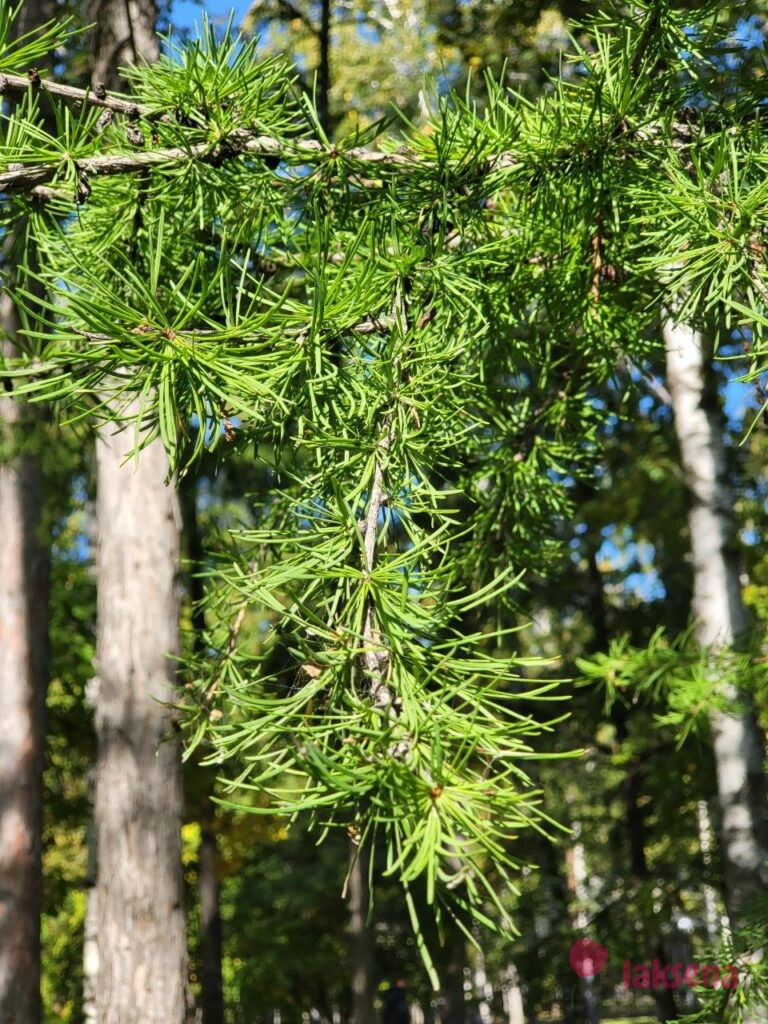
pixel 578 883
pixel 714 924
pixel 719 612
pixel 483 988
pixel 512 997
pixel 139 893
pixel 24 565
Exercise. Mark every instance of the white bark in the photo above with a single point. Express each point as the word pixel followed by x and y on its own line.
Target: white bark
pixel 719 613
pixel 483 989
pixel 578 883
pixel 512 997
pixel 710 894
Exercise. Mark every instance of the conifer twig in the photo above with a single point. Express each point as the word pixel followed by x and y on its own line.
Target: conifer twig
pixel 85 97
pixel 375 657
pixel 30 178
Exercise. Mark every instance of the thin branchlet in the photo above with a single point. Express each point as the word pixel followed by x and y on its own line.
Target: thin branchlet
pixel 239 275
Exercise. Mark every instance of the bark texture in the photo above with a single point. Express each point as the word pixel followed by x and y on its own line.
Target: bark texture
pixel 719 612
pixel 211 935
pixel 24 564
pixel 138 806
pixel 33 14
pixel 361 939
pixel 23 682
pixel 124 33
pixel 212 985
pixel 142 956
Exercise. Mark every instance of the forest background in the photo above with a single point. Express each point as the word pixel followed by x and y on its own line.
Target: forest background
pixel 605 599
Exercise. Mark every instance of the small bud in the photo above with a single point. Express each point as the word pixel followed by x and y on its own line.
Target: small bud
pixel 427 317
pixel 134 135
pixel 104 121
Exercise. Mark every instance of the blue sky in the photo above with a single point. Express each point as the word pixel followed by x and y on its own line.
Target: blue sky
pixel 185 13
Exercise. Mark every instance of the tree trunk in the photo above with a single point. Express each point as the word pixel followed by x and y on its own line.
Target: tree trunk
pixel 138 807
pixel 720 615
pixel 23 681
pixel 512 997
pixel 710 894
pixel 90 957
pixel 142 973
pixel 211 938
pixel 324 67
pixel 360 939
pixel 666 1006
pixel 578 883
pixel 124 32
pixel 24 572
pixel 482 984
pixel 454 960
pixel 210 921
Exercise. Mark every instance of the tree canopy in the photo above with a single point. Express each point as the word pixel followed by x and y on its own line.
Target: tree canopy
pixel 419 330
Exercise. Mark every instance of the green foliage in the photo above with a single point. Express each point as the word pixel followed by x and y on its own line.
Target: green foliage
pixel 412 337
pixel 742 951
pixel 676 675
pixel 22 52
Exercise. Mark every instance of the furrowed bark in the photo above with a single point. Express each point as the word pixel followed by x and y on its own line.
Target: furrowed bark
pixel 124 32
pixel 141 932
pixel 720 616
pixel 142 974
pixel 24 582
pixel 24 559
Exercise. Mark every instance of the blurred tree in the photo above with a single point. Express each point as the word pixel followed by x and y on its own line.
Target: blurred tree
pixel 24 567
pixel 721 622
